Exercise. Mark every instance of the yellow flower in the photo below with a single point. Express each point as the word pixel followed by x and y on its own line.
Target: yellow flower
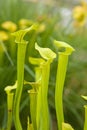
pixel 3 36
pixel 79 13
pixel 84 5
pixel 10 26
pixel 24 23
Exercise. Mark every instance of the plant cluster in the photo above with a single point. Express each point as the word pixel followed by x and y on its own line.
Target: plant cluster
pixel 50 26
pixel 39 111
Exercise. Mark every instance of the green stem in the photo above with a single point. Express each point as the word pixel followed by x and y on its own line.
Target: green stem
pixel 37 73
pixel 10 104
pixel 85 124
pixel 20 78
pixel 60 78
pixel 33 103
pixel 38 114
pixel 44 92
pixel 38 111
pixel 28 123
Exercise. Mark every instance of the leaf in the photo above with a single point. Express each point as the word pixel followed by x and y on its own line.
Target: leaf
pixel 46 53
pixel 9 88
pixel 36 61
pixel 35 85
pixel 19 35
pixel 66 126
pixel 84 97
pixel 68 49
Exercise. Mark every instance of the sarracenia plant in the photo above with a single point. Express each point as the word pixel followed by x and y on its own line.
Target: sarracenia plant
pixel 60 78
pixel 35 93
pixel 33 102
pixel 85 123
pixel 47 55
pixel 42 71
pixel 19 35
pixel 85 106
pixel 38 62
pixel 10 95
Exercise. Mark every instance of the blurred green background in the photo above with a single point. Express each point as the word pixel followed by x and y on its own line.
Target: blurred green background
pixel 56 20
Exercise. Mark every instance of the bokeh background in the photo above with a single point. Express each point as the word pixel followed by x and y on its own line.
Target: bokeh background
pixel 63 20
